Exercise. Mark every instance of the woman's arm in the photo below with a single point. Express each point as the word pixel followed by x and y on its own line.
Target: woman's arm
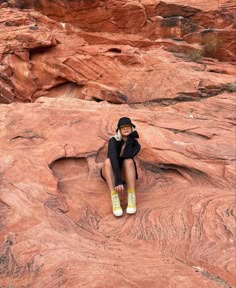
pixel 132 145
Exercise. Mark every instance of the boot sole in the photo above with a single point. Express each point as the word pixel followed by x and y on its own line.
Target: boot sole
pixel 131 210
pixel 118 213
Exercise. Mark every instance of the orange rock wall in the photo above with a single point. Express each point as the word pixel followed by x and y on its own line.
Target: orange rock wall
pixel 68 71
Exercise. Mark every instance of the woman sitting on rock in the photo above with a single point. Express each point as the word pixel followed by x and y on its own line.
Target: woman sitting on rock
pixel 120 168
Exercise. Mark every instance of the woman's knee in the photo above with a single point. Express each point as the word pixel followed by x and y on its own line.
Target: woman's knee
pixel 107 163
pixel 128 163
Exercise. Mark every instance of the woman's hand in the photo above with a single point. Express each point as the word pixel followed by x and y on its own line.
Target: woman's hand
pixel 119 188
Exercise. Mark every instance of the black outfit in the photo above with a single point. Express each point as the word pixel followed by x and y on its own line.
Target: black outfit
pixel 131 149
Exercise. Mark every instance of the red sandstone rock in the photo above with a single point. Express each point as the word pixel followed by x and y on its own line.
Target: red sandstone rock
pixel 218 43
pixel 117 68
pixel 56 225
pixel 20 35
pixel 57 229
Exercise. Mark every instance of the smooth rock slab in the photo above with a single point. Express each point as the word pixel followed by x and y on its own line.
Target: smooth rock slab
pixel 57 229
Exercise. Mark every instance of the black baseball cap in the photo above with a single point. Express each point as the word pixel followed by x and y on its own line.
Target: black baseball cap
pixel 124 121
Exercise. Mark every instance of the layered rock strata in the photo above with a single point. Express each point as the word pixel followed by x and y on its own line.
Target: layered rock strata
pixel 68 72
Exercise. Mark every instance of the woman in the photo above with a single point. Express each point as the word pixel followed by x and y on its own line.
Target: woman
pixel 120 168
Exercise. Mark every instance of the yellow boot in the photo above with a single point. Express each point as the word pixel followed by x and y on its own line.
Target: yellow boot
pixel 131 208
pixel 116 208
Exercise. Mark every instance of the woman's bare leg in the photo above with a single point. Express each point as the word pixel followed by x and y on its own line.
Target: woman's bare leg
pixel 108 174
pixel 128 169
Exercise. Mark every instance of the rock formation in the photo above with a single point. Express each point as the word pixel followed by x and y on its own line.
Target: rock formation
pixel 99 51
pixel 68 71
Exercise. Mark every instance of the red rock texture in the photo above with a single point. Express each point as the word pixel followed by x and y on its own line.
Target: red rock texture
pixel 57 229
pixel 170 65
pixel 42 57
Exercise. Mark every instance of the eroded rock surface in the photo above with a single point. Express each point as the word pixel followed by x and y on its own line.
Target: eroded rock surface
pixel 170 65
pixel 162 57
pixel 57 229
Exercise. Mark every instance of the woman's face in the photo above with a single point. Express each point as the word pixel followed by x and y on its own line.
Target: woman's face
pixel 125 129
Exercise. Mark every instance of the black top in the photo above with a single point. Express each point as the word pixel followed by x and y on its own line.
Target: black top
pixel 131 149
